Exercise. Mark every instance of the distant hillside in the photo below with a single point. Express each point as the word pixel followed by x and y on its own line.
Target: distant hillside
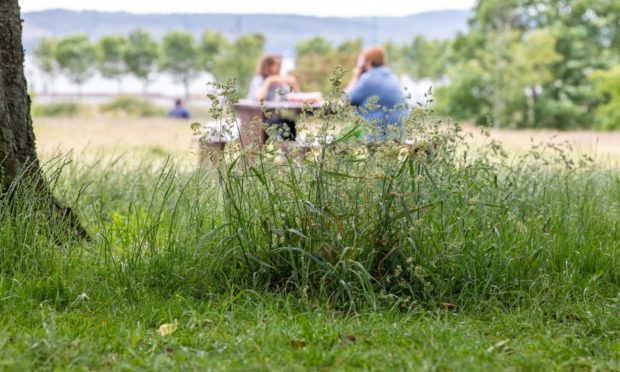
pixel 283 31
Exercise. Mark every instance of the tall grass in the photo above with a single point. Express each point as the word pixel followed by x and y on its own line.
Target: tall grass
pixel 383 225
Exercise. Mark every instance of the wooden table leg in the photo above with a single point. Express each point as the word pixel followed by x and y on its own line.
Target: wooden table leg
pixel 211 150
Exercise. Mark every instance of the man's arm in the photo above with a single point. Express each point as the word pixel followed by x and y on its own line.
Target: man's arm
pixel 357 93
pixel 357 72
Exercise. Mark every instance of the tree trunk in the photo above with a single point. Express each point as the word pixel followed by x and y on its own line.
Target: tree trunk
pixel 186 88
pixel 534 104
pixel 17 148
pixel 18 155
pixel 145 87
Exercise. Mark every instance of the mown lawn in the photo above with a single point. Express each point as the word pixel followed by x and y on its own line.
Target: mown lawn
pixel 266 332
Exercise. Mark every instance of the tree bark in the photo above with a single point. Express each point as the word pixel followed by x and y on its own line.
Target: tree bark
pixel 18 157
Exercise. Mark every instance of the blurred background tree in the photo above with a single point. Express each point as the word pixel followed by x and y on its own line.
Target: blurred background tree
pixel 239 60
pixel 424 58
pixel 142 57
pixel 76 58
pixel 316 60
pixel 212 45
pixel 45 58
pixel 534 59
pixel 111 58
pixel 179 57
pixel 316 45
pixel 607 84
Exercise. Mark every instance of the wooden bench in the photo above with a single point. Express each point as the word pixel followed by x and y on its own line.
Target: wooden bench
pixel 213 142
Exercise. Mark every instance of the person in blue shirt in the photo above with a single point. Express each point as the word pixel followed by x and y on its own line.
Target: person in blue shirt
pixel 179 111
pixel 377 93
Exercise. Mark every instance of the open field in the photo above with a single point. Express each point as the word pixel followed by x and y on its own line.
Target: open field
pixel 91 138
pixel 353 260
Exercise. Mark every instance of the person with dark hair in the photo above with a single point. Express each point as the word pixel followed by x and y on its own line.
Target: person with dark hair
pixel 269 85
pixel 268 81
pixel 375 89
pixel 179 111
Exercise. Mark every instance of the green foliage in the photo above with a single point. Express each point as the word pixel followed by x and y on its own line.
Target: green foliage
pixel 422 58
pixel 132 106
pixel 111 56
pixel 607 84
pixel 56 109
pixel 76 58
pixel 316 59
pixel 45 54
pixel 142 56
pixel 179 57
pixel 45 57
pixel 502 83
pixel 535 56
pixel 316 45
pixel 538 54
pixel 238 60
pixel 349 47
pixel 467 96
pixel 394 54
pixel 585 32
pixel 212 45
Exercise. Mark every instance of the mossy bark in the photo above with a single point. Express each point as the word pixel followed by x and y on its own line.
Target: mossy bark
pixel 18 157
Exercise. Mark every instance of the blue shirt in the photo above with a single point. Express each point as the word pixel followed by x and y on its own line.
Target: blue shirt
pixel 391 107
pixel 179 112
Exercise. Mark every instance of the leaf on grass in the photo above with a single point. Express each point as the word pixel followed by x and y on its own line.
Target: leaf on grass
pixel 348 339
pixel 568 318
pixel 168 328
pixel 498 346
pixel 298 344
pixel 571 318
pixel 448 305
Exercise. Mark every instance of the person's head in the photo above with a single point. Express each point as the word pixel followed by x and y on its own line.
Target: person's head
pixel 270 65
pixel 178 102
pixel 374 57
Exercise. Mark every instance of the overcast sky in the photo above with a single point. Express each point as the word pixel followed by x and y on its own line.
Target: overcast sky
pixel 341 8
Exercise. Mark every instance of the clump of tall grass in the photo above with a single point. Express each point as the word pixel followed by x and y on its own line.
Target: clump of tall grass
pixel 431 220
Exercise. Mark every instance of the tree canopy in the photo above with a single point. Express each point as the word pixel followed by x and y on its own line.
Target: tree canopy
pixel 179 57
pixel 141 56
pixel 77 57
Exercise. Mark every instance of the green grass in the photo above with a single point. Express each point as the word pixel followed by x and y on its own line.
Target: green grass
pixel 121 106
pixel 252 331
pixel 126 105
pixel 55 109
pixel 433 256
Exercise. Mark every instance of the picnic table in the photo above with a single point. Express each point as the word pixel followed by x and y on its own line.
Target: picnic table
pixel 251 116
pixel 252 130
